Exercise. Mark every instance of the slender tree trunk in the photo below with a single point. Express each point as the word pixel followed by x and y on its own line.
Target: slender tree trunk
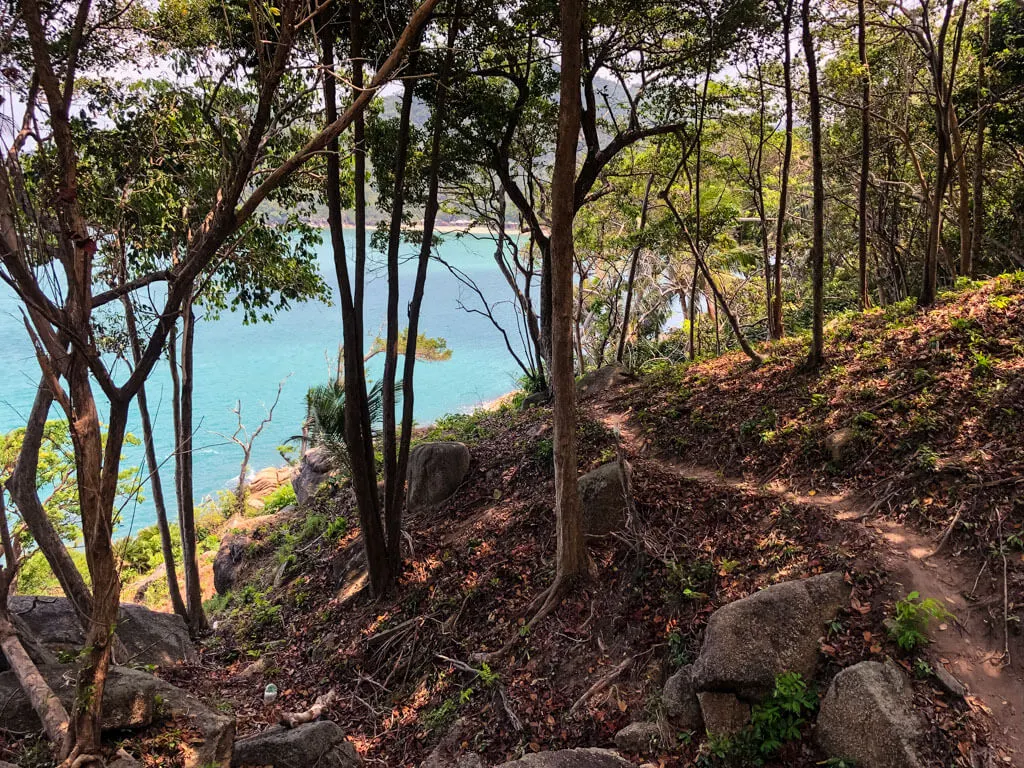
pixel 47 706
pixel 572 560
pixel 392 482
pixel 930 280
pixel 182 385
pixel 426 248
pixel 358 434
pixel 634 260
pixel 777 327
pixel 958 160
pixel 693 310
pixel 817 355
pixel 978 219
pixel 153 465
pixel 865 157
pixel 22 486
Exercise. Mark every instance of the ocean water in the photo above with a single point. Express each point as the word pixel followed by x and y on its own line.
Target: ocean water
pixel 237 363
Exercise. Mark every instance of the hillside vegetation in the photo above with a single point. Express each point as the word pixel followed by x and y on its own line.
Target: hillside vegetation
pixel 934 402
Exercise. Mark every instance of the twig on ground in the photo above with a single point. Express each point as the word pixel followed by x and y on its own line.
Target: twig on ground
pixel 601 684
pixel 292 719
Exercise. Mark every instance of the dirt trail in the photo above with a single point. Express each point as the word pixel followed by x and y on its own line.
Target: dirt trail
pixel 973 647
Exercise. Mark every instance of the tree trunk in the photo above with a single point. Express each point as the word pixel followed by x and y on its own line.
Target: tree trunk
pixel 426 248
pixel 392 482
pixel 47 706
pixel 776 322
pixel 865 157
pixel 22 485
pixel 358 434
pixel 159 504
pixel 634 260
pixel 817 355
pixel 182 385
pixel 572 560
pixel 978 219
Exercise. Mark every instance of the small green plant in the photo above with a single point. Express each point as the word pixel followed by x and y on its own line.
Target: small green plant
pixel 336 529
pixel 544 453
pixel 927 459
pixel 922 669
pixel 983 364
pixel 283 497
pixel 488 676
pixel 865 419
pixel 909 626
pixel 441 716
pixel 779 718
pixel 679 653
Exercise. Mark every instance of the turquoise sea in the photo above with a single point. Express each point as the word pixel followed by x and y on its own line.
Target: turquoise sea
pixel 245 363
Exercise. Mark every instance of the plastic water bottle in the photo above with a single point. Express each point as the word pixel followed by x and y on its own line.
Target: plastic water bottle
pixel 269 694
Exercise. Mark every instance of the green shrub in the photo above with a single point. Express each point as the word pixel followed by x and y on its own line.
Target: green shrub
pixel 283 497
pixel 909 627
pixel 779 718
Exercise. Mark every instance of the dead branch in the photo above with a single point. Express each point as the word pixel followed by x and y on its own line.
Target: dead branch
pixel 292 719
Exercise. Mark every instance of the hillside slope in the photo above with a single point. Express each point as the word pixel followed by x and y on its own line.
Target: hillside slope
pixel 935 405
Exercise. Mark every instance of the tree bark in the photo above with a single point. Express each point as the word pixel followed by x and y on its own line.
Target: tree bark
pixel 153 465
pixel 817 354
pixel 392 482
pixel 634 260
pixel 47 706
pixel 22 486
pixel 776 322
pixel 182 380
pixel 978 204
pixel 426 247
pixel 572 560
pixel 358 434
pixel 865 157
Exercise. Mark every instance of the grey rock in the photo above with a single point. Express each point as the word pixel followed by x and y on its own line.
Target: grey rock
pixel 150 637
pixel 450 751
pixel 314 467
pixel 131 699
pixel 321 743
pixel 436 470
pixel 842 445
pixel 949 683
pixel 604 493
pixel 724 713
pixel 679 700
pixel 4 764
pixel 602 380
pixel 124 705
pixel 537 398
pixel 122 759
pixel 867 716
pixel 748 643
pixel 227 561
pixel 644 738
pixel 570 758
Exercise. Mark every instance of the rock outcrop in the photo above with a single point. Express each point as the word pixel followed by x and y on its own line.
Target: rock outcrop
pixel 842 445
pixel 131 699
pixel 679 701
pixel 321 744
pixel 603 379
pixel 644 738
pixel 604 493
pixel 225 564
pixel 748 643
pixel 570 758
pixel 436 470
pixel 724 714
pixel 150 637
pixel 867 717
pixel 314 467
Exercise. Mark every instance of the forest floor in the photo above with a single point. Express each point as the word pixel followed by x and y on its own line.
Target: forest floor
pixel 733 490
